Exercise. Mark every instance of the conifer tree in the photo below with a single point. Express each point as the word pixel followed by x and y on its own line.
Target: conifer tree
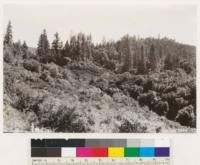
pixel 24 45
pixel 56 44
pixel 142 62
pixel 24 50
pixel 43 47
pixel 8 36
pixel 57 56
pixel 152 58
pixel 66 49
pixel 127 53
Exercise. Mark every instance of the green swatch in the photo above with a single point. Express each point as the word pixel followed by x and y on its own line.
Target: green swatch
pixel 131 152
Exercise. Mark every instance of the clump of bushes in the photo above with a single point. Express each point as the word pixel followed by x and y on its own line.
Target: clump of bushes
pixel 128 126
pixel 186 66
pixel 66 74
pixel 110 91
pixel 88 66
pixel 32 65
pixel 135 91
pixel 101 83
pixel 28 99
pixel 58 116
pixel 147 99
pixel 148 84
pixel 161 108
pixel 53 70
pixel 7 54
pixel 186 116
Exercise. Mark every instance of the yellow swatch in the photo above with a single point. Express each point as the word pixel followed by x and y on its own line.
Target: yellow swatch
pixel 115 152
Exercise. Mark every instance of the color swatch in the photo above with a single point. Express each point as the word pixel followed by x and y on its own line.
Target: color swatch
pixel 114 148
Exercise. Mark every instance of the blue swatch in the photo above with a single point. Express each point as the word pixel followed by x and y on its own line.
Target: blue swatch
pixel 147 152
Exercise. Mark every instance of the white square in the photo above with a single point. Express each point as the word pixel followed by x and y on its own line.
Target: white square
pixel 162 142
pixel 68 152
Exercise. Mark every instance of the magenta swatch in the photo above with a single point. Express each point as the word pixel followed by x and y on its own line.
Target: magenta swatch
pixel 83 152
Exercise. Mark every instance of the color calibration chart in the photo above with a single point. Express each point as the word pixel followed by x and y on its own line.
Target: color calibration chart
pixel 100 152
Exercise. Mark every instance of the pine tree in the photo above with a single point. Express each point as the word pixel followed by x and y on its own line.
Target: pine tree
pixel 25 50
pixel 56 44
pixel 152 59
pixel 142 62
pixel 89 46
pixel 66 49
pixel 168 62
pixel 8 36
pixel 56 50
pixel 126 53
pixel 24 45
pixel 43 47
pixel 75 48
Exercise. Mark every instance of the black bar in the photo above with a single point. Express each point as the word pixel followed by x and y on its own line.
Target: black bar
pixel 58 143
pixel 37 143
pixel 38 152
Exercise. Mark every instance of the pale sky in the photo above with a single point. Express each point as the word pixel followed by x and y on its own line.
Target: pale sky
pixel 109 21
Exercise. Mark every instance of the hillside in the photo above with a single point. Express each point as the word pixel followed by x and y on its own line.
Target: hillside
pixel 129 85
pixel 84 97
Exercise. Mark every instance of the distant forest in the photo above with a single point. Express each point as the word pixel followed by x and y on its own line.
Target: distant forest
pixel 130 53
pixel 151 66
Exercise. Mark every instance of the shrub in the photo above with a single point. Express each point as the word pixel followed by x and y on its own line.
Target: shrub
pixel 182 92
pixel 32 65
pixel 28 99
pixel 121 98
pixel 45 75
pixel 66 74
pixel 111 91
pixel 180 102
pixel 7 55
pixel 161 108
pixel 59 116
pixel 9 81
pixel 170 88
pixel 135 91
pixel 53 70
pixel 186 66
pixel 159 87
pixel 102 83
pixel 139 80
pixel 148 84
pixel 186 116
pixel 147 99
pixel 127 127
pixel 110 65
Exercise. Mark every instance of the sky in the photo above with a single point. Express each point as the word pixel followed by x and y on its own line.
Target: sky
pixel 110 21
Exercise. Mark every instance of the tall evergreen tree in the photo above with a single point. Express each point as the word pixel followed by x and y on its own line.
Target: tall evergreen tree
pixel 152 59
pixel 142 62
pixel 24 50
pixel 8 36
pixel 67 49
pixel 127 53
pixel 89 46
pixel 56 44
pixel 43 47
pixel 24 45
pixel 168 63
pixel 75 48
pixel 56 53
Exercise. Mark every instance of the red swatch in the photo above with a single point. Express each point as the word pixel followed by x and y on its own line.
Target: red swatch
pixel 100 152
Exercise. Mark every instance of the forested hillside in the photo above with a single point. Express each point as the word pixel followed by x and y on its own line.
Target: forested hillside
pixel 130 85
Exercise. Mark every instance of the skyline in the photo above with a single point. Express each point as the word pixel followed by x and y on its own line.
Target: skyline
pixel 176 22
